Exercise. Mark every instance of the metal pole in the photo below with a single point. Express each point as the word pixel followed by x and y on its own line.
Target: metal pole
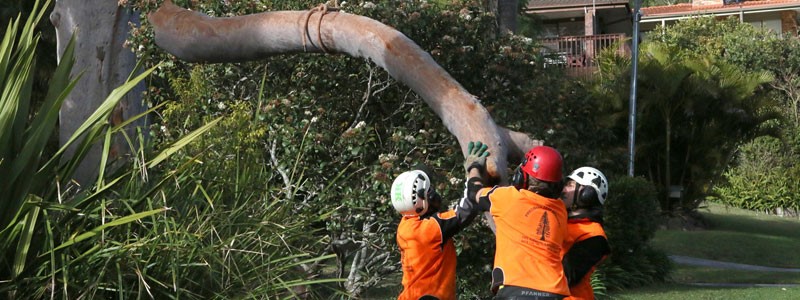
pixel 635 71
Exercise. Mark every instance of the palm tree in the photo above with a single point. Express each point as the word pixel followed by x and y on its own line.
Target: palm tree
pixel 692 114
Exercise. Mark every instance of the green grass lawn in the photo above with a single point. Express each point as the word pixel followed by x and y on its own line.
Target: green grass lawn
pixel 738 236
pixel 686 274
pixel 680 291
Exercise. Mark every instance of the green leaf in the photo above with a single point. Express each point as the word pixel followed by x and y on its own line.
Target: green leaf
pixel 24 243
pixel 97 230
pixel 182 143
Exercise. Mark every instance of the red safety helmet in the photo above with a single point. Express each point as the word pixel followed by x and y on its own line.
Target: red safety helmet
pixel 543 163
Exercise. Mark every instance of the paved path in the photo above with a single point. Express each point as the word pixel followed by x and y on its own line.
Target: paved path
pixel 692 261
pixel 685 260
pixel 781 285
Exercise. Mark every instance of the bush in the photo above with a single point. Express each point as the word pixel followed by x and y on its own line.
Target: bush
pixel 765 175
pixel 631 219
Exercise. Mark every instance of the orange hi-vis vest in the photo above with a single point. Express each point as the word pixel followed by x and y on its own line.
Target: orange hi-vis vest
pixel 429 261
pixel 579 230
pixel 530 231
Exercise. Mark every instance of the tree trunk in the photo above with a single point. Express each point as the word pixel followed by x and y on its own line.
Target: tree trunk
pixel 195 37
pixel 507 16
pixel 100 28
pixel 667 170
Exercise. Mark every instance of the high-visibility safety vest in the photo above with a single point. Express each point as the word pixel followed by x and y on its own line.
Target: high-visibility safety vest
pixel 530 231
pixel 579 230
pixel 428 256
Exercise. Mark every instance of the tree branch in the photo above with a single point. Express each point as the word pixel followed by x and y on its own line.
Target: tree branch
pixel 195 37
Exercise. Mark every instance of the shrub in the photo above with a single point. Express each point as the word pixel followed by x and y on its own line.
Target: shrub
pixel 765 175
pixel 631 219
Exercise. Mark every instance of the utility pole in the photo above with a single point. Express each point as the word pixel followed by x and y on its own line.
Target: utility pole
pixel 635 71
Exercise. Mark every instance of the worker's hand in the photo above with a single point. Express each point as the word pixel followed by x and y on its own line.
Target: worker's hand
pixel 471 189
pixel 476 156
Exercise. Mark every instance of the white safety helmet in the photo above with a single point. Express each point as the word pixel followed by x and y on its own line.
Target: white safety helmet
pixel 592 177
pixel 409 191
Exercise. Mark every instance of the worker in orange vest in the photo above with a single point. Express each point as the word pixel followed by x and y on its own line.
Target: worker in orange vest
pixel 531 224
pixel 586 244
pixel 427 251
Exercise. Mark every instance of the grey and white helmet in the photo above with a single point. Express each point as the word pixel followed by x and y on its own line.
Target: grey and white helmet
pixel 409 191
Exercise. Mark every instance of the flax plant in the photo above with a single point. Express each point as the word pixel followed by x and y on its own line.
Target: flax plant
pixel 159 226
pixel 38 201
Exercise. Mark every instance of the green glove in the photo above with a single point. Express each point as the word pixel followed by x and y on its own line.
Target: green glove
pixel 476 156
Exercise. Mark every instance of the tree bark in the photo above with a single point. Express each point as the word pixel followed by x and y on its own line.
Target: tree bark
pixel 100 28
pixel 195 37
pixel 507 16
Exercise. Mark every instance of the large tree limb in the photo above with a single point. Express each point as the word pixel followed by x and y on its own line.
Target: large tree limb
pixel 195 37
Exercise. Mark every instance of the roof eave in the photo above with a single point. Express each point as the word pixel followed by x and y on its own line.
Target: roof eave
pixel 720 11
pixel 575 7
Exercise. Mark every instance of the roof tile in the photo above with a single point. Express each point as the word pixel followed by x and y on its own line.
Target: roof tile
pixel 688 8
pixel 538 4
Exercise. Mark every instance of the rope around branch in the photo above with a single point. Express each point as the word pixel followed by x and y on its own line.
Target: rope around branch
pixel 324 9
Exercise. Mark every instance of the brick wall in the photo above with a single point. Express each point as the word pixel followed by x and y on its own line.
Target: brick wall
pixel 789 22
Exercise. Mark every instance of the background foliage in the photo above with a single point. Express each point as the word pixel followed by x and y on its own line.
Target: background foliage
pixel 690 98
pixel 761 174
pixel 765 176
pixel 631 220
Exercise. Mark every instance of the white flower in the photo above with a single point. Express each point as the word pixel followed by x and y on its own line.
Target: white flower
pixel 422 131
pixel 387 157
pixel 361 125
pixel 221 105
pixel 410 139
pixel 527 40
pixel 551 131
pixel 455 181
pixel 368 5
pixel 523 39
pixel 314 119
pixel 307 113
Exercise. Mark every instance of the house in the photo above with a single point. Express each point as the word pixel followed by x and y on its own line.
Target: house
pixel 574 31
pixel 779 16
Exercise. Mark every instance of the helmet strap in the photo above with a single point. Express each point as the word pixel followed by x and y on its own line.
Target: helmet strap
pixel 520 179
pixel 575 196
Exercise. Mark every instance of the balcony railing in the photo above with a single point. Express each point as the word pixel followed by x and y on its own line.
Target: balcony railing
pixel 581 51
